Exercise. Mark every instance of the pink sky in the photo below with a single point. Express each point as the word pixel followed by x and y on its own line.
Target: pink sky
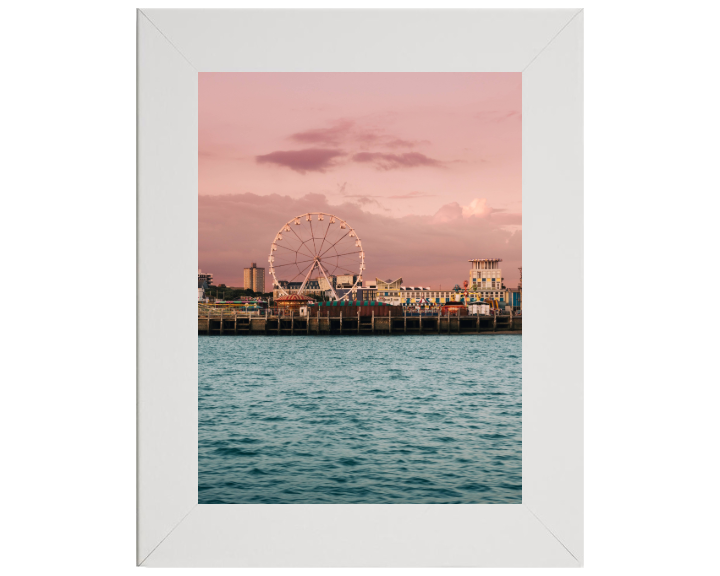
pixel 425 166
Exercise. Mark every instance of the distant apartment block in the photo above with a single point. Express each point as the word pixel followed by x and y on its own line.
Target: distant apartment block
pixel 204 277
pixel 254 278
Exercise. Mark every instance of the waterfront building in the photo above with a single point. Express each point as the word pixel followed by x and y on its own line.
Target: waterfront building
pixel 388 291
pixel 515 295
pixel 393 292
pixel 202 288
pixel 366 294
pixel 425 295
pixel 312 288
pixel 485 273
pixel 514 299
pixel 501 295
pixel 325 285
pixel 340 281
pixel 367 291
pixel 204 276
pixel 254 278
pixel 433 297
pixel 383 285
pixel 486 280
pixel 346 280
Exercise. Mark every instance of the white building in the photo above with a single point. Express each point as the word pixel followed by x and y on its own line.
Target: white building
pixel 202 287
pixel 486 279
pixel 347 280
pixel 323 282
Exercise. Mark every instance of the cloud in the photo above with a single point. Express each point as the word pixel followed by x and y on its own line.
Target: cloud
pixel 364 200
pixel 477 209
pixel 400 143
pixel 302 161
pixel 347 132
pixel 448 213
pixel 395 161
pixel 408 196
pixel 495 116
pixel 332 136
pixel 411 195
pixel 235 230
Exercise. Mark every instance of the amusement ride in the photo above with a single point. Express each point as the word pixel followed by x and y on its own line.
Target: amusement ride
pixel 316 242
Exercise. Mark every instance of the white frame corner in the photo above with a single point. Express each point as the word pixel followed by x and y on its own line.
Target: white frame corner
pixel 173 529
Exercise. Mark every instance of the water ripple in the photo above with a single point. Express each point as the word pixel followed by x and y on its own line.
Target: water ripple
pixel 334 420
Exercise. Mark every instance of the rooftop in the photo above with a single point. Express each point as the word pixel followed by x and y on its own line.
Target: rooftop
pixel 294 298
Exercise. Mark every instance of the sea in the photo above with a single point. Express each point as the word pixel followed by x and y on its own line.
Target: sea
pixel 431 419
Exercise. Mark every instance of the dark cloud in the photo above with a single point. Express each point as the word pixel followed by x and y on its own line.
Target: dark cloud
pixel 302 161
pixel 236 230
pixel 349 132
pixel 395 161
pixel 400 143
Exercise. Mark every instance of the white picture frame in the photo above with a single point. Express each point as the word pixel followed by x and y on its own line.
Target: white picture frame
pixel 173 47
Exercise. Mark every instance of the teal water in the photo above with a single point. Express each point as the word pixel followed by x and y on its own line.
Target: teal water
pixel 366 420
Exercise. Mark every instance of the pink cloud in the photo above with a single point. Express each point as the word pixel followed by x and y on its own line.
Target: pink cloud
pixel 395 161
pixel 448 213
pixel 470 122
pixel 400 143
pixel 235 230
pixel 348 132
pixel 495 116
pixel 411 195
pixel 478 207
pixel 302 161
pixel 408 196
pixel 333 135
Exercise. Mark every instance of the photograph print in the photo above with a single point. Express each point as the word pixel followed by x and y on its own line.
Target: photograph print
pixel 360 288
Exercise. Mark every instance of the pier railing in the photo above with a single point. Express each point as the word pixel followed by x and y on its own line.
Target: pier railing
pixel 325 313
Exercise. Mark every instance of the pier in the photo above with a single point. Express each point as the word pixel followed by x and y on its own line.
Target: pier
pixel 229 323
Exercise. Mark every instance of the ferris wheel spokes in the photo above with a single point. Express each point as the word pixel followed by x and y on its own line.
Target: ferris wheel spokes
pixel 332 289
pixel 307 277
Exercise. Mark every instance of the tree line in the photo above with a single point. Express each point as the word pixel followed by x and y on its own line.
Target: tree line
pixel 222 292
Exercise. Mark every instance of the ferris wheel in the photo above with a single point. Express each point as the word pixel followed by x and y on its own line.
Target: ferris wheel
pixel 317 241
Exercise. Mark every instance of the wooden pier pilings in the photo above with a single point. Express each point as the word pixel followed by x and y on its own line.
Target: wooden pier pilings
pixel 227 323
